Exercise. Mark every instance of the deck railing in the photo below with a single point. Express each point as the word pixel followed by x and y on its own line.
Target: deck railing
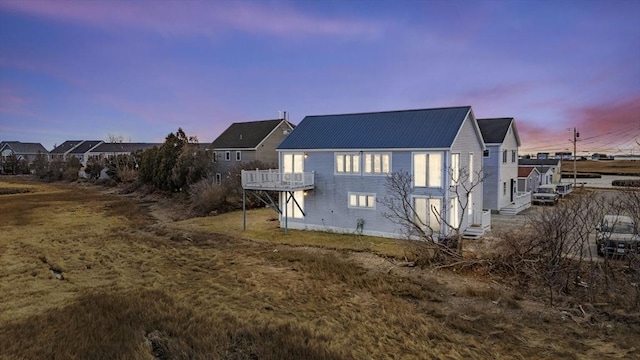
pixel 522 200
pixel 274 179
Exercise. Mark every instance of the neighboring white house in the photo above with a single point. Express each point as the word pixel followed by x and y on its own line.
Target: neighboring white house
pixel 528 179
pixel 338 166
pixel 542 164
pixel 500 165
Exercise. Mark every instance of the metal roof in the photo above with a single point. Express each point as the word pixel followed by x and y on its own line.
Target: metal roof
pixel 495 130
pixel 65 146
pixel 85 146
pixel 245 135
pixel 406 129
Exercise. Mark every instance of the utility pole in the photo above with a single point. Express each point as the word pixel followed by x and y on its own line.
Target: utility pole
pixel 576 135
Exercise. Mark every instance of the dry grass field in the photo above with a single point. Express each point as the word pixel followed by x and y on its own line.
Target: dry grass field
pixel 617 167
pixel 85 274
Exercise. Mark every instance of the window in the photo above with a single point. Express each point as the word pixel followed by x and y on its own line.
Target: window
pixel 227 155
pixel 504 188
pixel 485 153
pixel 362 200
pixel 348 163
pixel 454 218
pixel 215 156
pixel 376 163
pixel 504 156
pixel 513 156
pixel 238 156
pixel 218 178
pixel 427 169
pixel 471 167
pixel 455 168
pixel 427 212
pixel 470 205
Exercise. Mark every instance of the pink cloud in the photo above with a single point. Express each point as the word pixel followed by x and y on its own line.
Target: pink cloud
pixel 196 18
pixel 611 128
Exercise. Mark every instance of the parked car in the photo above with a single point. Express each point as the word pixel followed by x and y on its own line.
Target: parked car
pixel 546 194
pixel 617 235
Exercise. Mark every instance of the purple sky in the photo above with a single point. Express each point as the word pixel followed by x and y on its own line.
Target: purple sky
pixel 141 69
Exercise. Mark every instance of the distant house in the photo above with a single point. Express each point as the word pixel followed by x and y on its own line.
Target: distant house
pixel 112 150
pixel 563 155
pixel 554 164
pixel 336 168
pixel 243 142
pixel 26 152
pixel 82 150
pixel 543 156
pixel 500 166
pixel 528 179
pixel 60 152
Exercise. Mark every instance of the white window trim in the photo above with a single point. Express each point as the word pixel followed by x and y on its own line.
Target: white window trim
pixel 440 224
pixel 471 158
pixel 455 169
pixel 504 156
pixel 227 155
pixel 359 162
pixel 441 170
pixel 372 154
pixel 359 206
pixel 238 155
pixel 218 178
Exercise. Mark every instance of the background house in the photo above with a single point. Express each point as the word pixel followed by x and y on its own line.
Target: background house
pixel 19 152
pixel 553 164
pixel 500 166
pixel 60 152
pixel 112 150
pixel 350 157
pixel 82 150
pixel 528 179
pixel 243 142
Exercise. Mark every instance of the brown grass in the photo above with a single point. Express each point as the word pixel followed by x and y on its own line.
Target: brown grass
pixel 138 285
pixel 617 167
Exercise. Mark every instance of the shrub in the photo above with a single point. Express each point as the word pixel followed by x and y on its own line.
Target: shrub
pixel 207 196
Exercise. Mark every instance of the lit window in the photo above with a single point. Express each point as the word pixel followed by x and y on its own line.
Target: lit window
pixel 455 168
pixel 362 200
pixel 454 214
pixel 470 205
pixel 376 163
pixel 427 211
pixel 348 163
pixel 427 169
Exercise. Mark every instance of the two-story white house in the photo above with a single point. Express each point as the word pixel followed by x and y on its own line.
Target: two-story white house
pixel 500 166
pixel 339 165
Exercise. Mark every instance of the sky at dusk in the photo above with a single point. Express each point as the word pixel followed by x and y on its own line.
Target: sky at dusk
pixel 141 69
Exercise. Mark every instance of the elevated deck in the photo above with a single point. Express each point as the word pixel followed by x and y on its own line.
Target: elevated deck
pixel 275 180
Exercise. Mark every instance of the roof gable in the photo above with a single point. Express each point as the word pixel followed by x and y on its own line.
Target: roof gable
pixel 414 129
pixel 85 146
pixel 246 135
pixel 123 147
pixel 65 146
pixel 495 130
pixel 525 171
pixel 24 148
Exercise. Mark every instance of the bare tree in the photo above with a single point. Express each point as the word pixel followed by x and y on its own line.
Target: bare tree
pixel 441 241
